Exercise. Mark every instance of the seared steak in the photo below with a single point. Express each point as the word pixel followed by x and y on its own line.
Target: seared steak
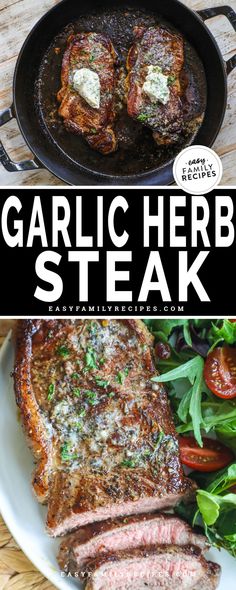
pixel 154 568
pixel 90 52
pixel 157 50
pixel 101 430
pixel 93 540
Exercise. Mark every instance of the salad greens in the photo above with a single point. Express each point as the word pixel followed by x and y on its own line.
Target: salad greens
pixel 199 412
pixel 215 507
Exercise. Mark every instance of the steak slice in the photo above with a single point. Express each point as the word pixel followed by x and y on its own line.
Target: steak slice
pixel 101 430
pixel 93 52
pixel 162 49
pixel 89 542
pixel 154 568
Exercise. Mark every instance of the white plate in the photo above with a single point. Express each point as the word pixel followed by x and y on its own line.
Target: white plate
pixel 23 515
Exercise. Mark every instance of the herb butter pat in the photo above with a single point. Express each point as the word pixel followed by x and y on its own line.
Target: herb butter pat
pixel 156 85
pixel 86 82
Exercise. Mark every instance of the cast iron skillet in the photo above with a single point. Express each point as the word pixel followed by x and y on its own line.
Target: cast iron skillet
pixel 48 153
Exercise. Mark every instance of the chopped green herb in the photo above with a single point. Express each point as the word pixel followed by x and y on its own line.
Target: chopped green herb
pixel 66 453
pixel 171 79
pixel 120 377
pixel 92 57
pixel 91 397
pixel 158 442
pixel 50 334
pixel 102 382
pixel 102 361
pixel 142 117
pixel 92 327
pixel 51 391
pixel 90 360
pixel 111 394
pixel 75 375
pixel 129 463
pixel 63 351
pixel 82 413
pixel 94 131
pixel 76 392
pixel 147 452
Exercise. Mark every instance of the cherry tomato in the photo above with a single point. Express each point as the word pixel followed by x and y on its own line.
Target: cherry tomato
pixel 220 372
pixel 233 321
pixel 211 457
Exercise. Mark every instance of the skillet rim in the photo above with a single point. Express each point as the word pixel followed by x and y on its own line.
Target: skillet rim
pixel 165 168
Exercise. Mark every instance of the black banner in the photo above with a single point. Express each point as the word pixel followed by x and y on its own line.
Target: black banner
pixel 62 251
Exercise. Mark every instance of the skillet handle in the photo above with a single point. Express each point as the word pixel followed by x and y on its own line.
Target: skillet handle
pixel 5 160
pixel 231 16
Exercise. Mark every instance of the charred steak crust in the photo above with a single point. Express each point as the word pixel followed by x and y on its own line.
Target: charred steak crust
pixel 161 567
pixel 158 46
pixel 101 431
pixel 34 423
pixel 88 542
pixel 95 52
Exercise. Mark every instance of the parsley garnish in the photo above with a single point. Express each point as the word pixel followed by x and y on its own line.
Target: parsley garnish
pixel 92 57
pixel 63 351
pixel 90 360
pixel 171 79
pixel 76 392
pixel 75 375
pixel 51 391
pixel 102 382
pixel 142 117
pixel 66 454
pixel 82 413
pixel 121 375
pixel 129 463
pixel 91 397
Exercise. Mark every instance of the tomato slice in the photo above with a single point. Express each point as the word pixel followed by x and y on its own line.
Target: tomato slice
pixel 211 457
pixel 220 372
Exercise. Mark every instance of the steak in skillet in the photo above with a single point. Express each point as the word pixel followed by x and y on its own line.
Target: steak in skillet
pixel 165 567
pixel 159 52
pixel 90 53
pixel 100 429
pixel 94 540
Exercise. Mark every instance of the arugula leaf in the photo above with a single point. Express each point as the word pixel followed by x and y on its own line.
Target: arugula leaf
pixel 226 432
pixel 217 415
pixel 214 510
pixel 193 370
pixel 226 332
pixel 164 328
pixel 211 504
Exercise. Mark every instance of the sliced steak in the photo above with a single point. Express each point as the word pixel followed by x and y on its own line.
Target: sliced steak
pixel 101 430
pixel 131 532
pixel 153 568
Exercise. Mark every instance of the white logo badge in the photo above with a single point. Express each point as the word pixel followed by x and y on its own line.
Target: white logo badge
pixel 197 169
